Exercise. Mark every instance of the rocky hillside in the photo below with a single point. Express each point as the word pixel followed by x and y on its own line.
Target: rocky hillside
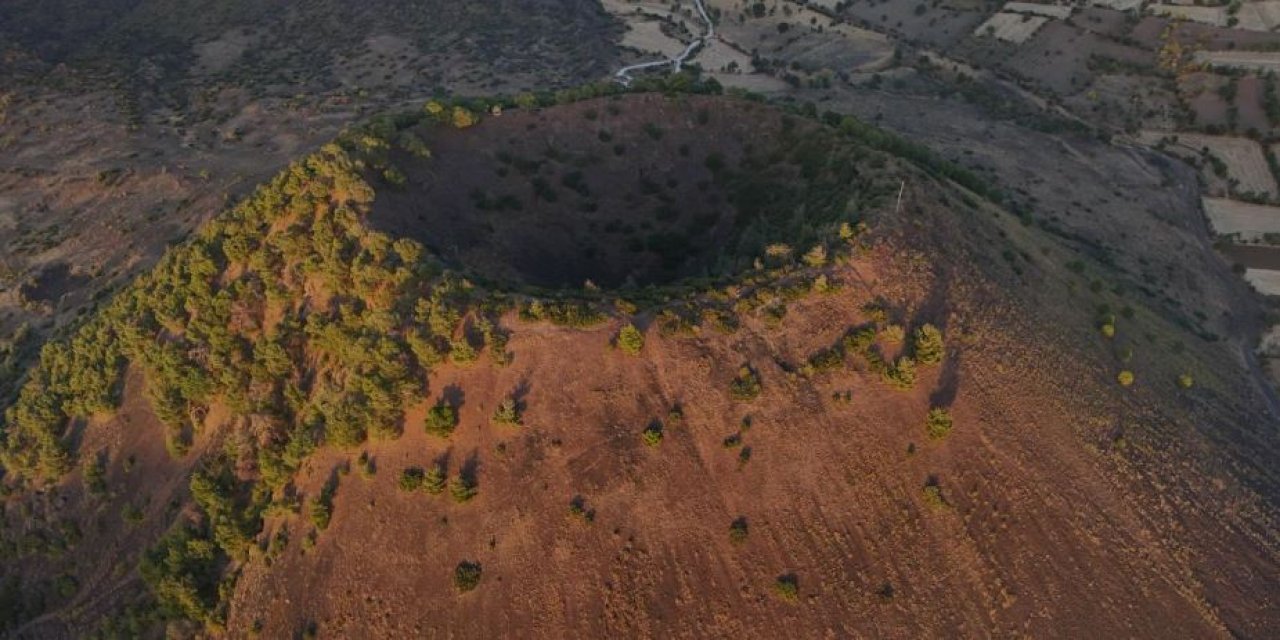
pixel 648 364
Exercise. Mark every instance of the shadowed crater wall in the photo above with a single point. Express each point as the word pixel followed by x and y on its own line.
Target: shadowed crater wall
pixel 624 191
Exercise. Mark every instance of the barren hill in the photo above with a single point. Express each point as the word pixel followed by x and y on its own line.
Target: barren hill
pixel 860 399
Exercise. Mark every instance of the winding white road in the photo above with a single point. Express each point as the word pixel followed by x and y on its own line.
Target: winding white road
pixel 624 74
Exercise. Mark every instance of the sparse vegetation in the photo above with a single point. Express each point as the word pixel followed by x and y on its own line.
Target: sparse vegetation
pixel 366 465
pixel 578 510
pixel 892 334
pixel 434 480
pixel 630 340
pixel 738 531
pixel 746 385
pixel 466 577
pixel 322 507
pixel 652 435
pixel 94 474
pixel 938 423
pixel 901 375
pixel 933 496
pixel 294 318
pixel 825 360
pixel 928 346
pixel 787 588
pixel 411 479
pixel 507 412
pixel 463 488
pixel 441 420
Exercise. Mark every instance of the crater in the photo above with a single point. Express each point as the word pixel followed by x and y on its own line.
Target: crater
pixel 623 191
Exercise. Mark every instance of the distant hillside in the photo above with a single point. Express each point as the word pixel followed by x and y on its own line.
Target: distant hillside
pixel 167 53
pixel 597 363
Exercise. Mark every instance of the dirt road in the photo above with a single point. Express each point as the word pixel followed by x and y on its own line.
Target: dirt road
pixel 624 74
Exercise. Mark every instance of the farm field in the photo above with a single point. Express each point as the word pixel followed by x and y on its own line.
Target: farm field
pixel 1263 61
pixel 1060 12
pixel 797 36
pixel 1249 222
pixel 647 36
pixel 1259 16
pixel 1213 16
pixel 1118 5
pixel 1253 256
pixel 1251 16
pixel 1244 159
pixel 531 335
pixel 1011 27
pixel 1266 281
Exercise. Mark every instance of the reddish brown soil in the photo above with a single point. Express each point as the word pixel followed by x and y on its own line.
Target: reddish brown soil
pixel 1075 507
pixel 140 474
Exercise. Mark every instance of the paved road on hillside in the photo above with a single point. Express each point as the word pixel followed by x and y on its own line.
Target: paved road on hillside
pixel 624 74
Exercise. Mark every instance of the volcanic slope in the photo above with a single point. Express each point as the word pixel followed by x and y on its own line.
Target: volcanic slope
pixel 864 401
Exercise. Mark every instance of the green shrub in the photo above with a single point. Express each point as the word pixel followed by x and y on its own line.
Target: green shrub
pixel 928 345
pixel 875 312
pixel 466 576
pixel 1125 378
pixel 411 479
pixel 413 144
pixel 131 514
pixel 630 340
pixel 508 412
pixel 652 435
pixel 462 118
pixel 462 488
pixel 441 420
pixel 902 375
pixel 182 570
pixel 578 510
pixel 1185 381
pixel 826 360
pixel 933 496
pixel 394 177
pixel 321 513
pixel 787 588
pixel 746 385
pixel 938 423
pixel 366 465
pixel 893 334
pixel 675 416
pixel 774 314
pixel 563 313
pixel 738 531
pixel 461 351
pixel 94 471
pixel 309 540
pixel 433 482
pixel 859 340
pixel 815 257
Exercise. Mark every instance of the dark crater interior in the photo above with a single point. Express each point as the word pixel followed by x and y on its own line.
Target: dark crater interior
pixel 624 191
